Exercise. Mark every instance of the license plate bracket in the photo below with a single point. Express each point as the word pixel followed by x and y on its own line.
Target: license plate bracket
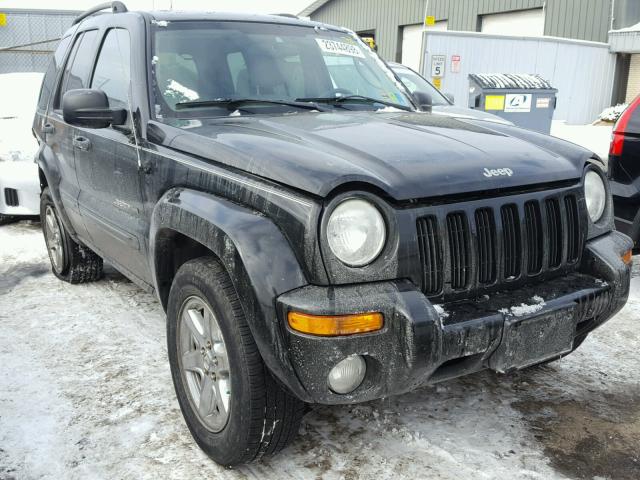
pixel 533 339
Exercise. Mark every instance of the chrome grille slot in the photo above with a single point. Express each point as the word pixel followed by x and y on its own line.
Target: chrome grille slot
pixel 430 255
pixel 458 235
pixel 512 243
pixel 486 241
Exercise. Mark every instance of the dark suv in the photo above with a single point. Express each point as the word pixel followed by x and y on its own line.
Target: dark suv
pixel 624 171
pixel 312 236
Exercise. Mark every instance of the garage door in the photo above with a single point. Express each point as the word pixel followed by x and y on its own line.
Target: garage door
pixel 521 23
pixel 633 84
pixel 412 43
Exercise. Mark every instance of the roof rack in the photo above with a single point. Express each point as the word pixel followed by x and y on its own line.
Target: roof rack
pixel 115 7
pixel 287 15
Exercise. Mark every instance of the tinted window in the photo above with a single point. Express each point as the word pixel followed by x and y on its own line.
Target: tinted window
pixel 76 74
pixel 49 82
pixel 112 74
pixel 236 60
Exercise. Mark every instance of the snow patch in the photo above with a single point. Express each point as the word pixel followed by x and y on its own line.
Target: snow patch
pixel 442 313
pixel 524 309
pixel 389 109
pixel 612 114
pixel 177 90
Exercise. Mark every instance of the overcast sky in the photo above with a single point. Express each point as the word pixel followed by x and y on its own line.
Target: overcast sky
pixel 258 6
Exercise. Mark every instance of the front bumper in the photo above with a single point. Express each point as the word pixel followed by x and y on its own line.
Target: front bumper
pixel 418 345
pixel 23 180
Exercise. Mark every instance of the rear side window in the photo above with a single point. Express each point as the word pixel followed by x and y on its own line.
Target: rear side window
pixel 49 82
pixel 78 68
pixel 112 73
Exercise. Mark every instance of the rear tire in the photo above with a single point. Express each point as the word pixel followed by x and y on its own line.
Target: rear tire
pixel 70 261
pixel 261 416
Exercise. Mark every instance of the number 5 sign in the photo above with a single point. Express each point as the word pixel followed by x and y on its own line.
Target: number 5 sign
pixel 438 65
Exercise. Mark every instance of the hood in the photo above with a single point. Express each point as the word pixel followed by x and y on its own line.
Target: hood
pixel 408 155
pixel 468 113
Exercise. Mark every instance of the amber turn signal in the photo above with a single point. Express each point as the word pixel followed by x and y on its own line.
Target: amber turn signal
pixel 627 258
pixel 332 325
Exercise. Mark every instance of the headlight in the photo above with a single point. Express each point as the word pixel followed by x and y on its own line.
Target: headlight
pixel 595 195
pixel 356 232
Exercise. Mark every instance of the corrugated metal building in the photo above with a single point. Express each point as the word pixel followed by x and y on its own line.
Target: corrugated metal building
pixel 626 44
pixel 29 37
pixel 390 21
pixel 582 71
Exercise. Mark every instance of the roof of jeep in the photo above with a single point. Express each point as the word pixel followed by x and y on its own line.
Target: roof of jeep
pixel 176 15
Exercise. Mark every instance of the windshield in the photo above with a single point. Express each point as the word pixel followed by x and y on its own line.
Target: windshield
pixel 415 82
pixel 201 68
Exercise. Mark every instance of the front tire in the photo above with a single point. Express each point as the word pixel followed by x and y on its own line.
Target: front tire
pixel 233 407
pixel 70 261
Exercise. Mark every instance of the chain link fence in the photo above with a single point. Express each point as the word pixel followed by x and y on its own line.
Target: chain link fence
pixel 30 37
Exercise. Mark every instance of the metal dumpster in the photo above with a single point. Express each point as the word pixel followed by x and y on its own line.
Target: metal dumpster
pixel 526 100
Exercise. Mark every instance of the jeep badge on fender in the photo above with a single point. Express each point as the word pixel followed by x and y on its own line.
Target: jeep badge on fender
pixel 267 178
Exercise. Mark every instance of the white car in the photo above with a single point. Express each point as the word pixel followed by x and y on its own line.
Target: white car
pixel 19 182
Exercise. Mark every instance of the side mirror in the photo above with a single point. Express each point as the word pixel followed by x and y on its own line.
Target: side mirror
pixel 424 101
pixel 90 108
pixel 450 97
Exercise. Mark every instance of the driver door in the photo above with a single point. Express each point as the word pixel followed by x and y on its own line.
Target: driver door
pixel 110 198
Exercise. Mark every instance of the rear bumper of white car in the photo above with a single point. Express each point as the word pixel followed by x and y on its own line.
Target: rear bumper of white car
pixel 19 189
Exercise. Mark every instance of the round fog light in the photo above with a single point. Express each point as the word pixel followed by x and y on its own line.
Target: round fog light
pixel 348 374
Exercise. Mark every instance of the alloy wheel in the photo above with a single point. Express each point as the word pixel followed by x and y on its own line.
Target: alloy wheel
pixel 204 363
pixel 53 239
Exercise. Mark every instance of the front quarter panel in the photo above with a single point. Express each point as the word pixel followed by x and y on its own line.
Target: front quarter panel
pixel 254 252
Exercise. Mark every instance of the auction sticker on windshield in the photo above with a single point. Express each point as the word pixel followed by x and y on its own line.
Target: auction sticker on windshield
pixel 339 48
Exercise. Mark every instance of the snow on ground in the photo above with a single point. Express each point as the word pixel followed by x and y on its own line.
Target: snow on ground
pixel 85 392
pixel 594 137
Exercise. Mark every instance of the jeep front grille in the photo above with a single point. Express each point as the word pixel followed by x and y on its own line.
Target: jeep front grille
pixel 472 247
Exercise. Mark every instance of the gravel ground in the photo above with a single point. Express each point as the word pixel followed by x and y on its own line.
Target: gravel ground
pixel 85 392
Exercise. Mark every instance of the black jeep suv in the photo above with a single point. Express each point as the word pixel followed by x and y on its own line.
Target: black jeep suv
pixel 313 237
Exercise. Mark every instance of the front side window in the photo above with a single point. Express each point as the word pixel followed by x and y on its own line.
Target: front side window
pixel 415 83
pixel 198 63
pixel 78 68
pixel 49 81
pixel 112 74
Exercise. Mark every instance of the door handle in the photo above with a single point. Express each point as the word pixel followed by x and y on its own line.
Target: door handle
pixel 48 128
pixel 81 143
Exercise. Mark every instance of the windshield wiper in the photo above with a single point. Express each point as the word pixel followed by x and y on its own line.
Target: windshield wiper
pixel 356 98
pixel 234 103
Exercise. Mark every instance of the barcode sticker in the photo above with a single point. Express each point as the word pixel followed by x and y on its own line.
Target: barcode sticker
pixel 339 48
